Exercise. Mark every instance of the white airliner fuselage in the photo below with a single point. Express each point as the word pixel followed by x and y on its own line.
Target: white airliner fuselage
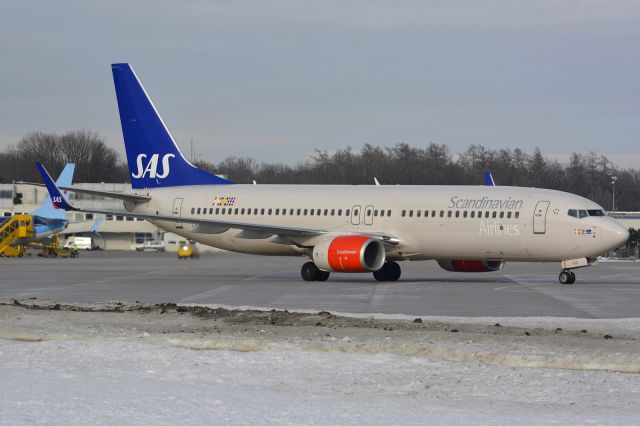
pixel 429 222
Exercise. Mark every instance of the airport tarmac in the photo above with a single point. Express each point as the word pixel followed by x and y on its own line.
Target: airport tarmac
pixel 607 290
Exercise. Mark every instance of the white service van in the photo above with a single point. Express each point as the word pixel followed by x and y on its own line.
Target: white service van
pixel 80 243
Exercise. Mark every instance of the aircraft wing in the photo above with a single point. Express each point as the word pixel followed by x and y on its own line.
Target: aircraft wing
pixel 205 226
pixel 136 198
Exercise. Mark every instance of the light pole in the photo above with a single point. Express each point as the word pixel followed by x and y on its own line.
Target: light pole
pixel 613 196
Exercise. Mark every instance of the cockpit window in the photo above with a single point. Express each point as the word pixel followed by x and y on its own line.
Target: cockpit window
pixel 582 213
pixel 573 213
pixel 595 212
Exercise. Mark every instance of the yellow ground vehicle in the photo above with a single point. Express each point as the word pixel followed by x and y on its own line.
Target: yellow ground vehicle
pixel 53 248
pixel 187 249
pixel 18 226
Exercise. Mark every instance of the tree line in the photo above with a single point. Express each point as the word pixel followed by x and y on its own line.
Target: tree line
pixel 587 174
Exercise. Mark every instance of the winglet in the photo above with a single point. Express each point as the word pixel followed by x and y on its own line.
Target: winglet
pixel 54 192
pixel 488 179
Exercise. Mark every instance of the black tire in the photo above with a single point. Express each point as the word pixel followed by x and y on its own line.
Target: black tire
pixel 573 278
pixel 394 271
pixel 322 275
pixel 310 271
pixel 380 274
pixel 390 271
pixel 565 277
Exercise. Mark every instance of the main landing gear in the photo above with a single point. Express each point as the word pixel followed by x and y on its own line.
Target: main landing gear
pixel 567 277
pixel 310 272
pixel 390 271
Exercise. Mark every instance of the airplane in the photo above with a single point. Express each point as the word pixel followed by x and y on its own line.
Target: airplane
pixel 347 228
pixel 49 220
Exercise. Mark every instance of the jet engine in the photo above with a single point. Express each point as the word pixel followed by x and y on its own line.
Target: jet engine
pixel 471 265
pixel 349 253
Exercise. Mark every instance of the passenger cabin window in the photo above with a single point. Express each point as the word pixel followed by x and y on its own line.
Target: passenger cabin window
pixel 501 215
pixel 198 210
pixel 193 210
pixel 517 215
pixel 404 213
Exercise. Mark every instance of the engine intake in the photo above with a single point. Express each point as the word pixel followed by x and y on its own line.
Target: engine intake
pixel 349 253
pixel 471 265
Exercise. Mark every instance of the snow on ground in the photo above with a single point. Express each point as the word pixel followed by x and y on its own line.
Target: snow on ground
pixel 57 382
pixel 60 367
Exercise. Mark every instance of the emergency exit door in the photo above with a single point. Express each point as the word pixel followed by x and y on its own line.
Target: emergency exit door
pixel 540 217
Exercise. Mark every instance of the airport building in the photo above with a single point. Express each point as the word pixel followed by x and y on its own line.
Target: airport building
pixel 115 232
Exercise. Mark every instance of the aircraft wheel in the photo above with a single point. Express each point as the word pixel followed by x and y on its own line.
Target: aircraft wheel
pixel 380 275
pixel 390 271
pixel 394 271
pixel 567 277
pixel 310 271
pixel 322 275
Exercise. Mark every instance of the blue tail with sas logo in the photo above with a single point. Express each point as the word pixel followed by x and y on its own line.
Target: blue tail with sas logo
pixel 50 211
pixel 154 158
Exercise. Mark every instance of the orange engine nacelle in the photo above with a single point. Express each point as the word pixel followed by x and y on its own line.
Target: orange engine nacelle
pixel 471 265
pixel 349 253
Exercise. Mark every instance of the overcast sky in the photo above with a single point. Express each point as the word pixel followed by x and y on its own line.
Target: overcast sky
pixel 276 79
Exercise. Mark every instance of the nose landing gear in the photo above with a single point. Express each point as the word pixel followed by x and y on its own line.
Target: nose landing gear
pixel 567 277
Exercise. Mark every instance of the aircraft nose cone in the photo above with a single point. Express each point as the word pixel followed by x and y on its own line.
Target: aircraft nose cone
pixel 617 234
pixel 621 235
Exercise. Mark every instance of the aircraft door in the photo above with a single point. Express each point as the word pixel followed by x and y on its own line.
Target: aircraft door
pixel 540 217
pixel 177 211
pixel 355 215
pixel 368 215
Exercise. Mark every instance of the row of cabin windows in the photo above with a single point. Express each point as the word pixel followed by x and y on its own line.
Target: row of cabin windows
pixel 283 212
pixel 338 212
pixel 465 214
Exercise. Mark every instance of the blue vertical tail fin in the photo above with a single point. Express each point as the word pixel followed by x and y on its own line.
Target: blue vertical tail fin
pixel 47 210
pixel 154 158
